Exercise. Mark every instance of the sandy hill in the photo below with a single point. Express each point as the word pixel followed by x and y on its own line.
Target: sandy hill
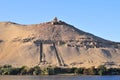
pixel 54 43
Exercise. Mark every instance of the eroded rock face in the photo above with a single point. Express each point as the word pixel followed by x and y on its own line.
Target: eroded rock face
pixel 54 43
pixel 1 41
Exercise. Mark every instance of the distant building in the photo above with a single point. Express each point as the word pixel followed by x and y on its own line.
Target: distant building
pixel 55 21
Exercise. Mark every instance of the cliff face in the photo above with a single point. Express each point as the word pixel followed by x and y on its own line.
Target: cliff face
pixel 54 43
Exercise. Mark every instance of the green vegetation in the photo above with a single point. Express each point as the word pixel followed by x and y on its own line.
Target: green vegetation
pixel 24 70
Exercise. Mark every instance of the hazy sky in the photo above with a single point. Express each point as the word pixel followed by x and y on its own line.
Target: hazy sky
pixel 99 17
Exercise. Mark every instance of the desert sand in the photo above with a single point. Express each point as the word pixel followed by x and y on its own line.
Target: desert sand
pixel 54 43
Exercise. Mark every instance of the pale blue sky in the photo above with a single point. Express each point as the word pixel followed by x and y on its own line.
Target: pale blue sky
pixel 99 17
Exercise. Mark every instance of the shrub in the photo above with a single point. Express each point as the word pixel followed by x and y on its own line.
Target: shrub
pixel 102 70
pixel 23 70
pixel 36 70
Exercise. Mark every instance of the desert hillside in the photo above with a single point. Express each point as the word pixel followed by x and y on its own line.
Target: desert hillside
pixel 54 43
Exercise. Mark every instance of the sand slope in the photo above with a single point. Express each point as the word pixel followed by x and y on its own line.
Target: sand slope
pixel 54 43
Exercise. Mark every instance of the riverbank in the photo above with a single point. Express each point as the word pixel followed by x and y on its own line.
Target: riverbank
pixel 37 70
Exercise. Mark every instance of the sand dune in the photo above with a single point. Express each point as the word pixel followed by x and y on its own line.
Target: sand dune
pixel 54 43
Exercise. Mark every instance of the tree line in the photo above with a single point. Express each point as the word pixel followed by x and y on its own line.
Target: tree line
pixel 24 70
